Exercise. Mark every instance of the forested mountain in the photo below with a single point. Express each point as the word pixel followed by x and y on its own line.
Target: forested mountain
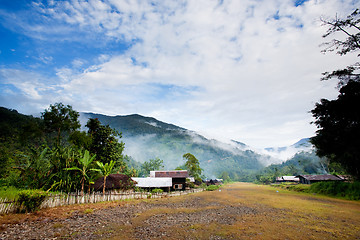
pixel 147 138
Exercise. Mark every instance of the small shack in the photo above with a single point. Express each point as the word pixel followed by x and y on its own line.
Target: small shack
pixel 309 179
pixel 178 177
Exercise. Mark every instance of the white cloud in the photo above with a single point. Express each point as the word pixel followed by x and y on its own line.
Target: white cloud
pixel 246 70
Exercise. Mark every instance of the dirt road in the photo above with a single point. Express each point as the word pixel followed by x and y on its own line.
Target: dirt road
pixel 238 211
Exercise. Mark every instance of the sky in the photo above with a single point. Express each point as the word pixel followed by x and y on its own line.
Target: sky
pixel 247 70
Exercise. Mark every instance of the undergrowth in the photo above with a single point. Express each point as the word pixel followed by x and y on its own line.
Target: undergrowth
pixel 346 190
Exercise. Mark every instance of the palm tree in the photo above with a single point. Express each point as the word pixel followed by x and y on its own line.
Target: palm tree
pixel 85 163
pixel 105 170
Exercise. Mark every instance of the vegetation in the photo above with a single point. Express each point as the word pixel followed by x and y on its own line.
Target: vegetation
pixel 50 153
pixel 338 120
pixel 105 170
pixel 212 187
pixel 337 189
pixel 151 165
pixel 193 166
pixel 344 190
pixel 30 200
pixel 300 163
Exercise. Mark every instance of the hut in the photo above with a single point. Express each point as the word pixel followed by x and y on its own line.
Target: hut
pixel 114 181
pixel 309 179
pixel 178 177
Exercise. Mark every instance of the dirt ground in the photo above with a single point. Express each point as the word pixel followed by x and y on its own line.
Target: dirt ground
pixel 237 211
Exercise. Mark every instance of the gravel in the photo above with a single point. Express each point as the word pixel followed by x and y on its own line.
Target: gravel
pixel 103 223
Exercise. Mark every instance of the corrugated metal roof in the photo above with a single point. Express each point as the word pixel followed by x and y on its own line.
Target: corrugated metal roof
pixel 325 177
pixel 171 174
pixel 290 178
pixel 153 182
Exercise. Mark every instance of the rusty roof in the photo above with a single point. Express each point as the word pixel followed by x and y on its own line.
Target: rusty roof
pixel 171 174
pixel 325 177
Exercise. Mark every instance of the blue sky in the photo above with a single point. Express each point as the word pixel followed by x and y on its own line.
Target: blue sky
pixel 246 70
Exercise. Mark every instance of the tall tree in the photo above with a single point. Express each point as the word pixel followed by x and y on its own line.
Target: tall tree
pixel 350 30
pixel 105 144
pixel 152 165
pixel 338 120
pixel 339 123
pixel 193 165
pixel 60 119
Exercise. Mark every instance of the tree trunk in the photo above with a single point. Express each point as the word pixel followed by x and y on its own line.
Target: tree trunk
pixel 82 186
pixel 104 185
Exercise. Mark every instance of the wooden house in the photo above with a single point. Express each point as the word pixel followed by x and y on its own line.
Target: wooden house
pixel 309 179
pixel 178 177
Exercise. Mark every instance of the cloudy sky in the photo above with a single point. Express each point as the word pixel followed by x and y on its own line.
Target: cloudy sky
pixel 246 70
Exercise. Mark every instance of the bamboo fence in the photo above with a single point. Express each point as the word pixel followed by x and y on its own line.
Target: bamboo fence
pixel 62 199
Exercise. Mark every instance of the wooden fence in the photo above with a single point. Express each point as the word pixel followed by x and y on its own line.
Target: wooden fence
pixel 56 200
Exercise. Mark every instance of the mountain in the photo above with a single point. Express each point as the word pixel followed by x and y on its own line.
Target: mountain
pixel 147 138
pixel 287 152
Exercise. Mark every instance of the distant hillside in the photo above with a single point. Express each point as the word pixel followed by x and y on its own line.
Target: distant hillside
pixel 146 138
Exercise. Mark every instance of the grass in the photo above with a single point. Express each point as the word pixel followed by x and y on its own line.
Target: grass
pixel 343 190
pixel 10 193
pixel 279 214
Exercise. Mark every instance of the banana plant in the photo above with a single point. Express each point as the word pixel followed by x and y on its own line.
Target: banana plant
pixel 84 169
pixel 105 170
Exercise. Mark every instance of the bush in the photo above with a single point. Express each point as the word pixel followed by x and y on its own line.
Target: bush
pixel 157 190
pixel 212 187
pixel 346 190
pixel 30 200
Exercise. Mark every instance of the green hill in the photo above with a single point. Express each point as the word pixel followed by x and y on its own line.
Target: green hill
pixel 147 138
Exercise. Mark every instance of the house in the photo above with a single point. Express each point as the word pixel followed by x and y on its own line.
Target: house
pixel 178 177
pixel 293 179
pixel 164 183
pixel 213 182
pixel 309 179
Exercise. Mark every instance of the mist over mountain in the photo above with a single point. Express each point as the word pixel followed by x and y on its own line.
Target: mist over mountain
pixel 287 152
pixel 147 138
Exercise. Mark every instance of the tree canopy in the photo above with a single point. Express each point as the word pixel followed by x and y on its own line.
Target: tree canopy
pixel 338 120
pixel 339 123
pixel 193 166
pixel 350 29
pixel 105 144
pixel 59 118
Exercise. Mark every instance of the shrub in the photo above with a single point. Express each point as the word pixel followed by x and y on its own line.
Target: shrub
pixel 337 189
pixel 157 190
pixel 30 200
pixel 212 188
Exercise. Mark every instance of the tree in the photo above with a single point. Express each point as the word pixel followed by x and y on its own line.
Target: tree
pixel 60 118
pixel 105 145
pixel 350 27
pixel 339 128
pixel 85 163
pixel 152 165
pixel 193 166
pixel 338 120
pixel 105 170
